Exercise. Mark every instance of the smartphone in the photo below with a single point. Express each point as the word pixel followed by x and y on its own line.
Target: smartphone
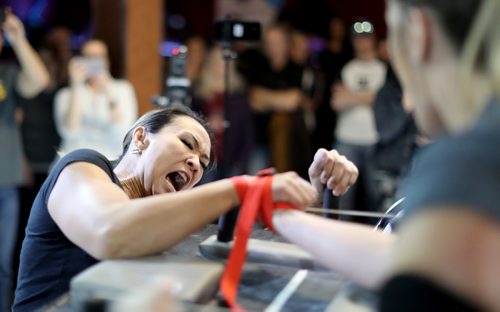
pixel 237 31
pixel 94 65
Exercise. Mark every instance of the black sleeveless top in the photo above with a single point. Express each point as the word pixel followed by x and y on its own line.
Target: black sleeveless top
pixel 48 259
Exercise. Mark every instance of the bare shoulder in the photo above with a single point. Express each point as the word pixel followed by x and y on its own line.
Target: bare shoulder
pixel 83 183
pixel 82 172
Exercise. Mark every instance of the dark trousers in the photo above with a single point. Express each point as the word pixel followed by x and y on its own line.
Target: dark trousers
pixel 9 216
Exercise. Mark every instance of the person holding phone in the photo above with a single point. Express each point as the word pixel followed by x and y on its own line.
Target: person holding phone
pixel 26 80
pixel 95 110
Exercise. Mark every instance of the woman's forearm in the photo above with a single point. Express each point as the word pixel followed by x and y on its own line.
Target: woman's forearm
pixel 356 251
pixel 154 224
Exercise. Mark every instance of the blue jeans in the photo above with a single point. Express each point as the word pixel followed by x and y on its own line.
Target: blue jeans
pixel 9 219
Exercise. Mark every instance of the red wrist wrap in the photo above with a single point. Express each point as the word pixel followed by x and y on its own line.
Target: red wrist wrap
pixel 255 197
pixel 241 185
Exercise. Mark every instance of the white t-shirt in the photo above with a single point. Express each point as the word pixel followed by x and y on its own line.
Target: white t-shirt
pixel 356 125
pixel 97 131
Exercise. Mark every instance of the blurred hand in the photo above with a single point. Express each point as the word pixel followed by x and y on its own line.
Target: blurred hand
pixel 291 101
pixel 77 70
pixel 103 81
pixel 407 102
pixel 291 188
pixel 216 122
pixel 333 170
pixel 13 28
pixel 29 179
pixel 341 97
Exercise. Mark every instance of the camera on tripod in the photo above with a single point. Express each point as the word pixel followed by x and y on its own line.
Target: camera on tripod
pixel 177 85
pixel 232 30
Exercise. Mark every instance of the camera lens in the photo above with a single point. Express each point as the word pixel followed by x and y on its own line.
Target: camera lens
pixel 238 30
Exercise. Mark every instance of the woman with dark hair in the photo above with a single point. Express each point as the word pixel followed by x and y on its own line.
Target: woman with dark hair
pixel 91 209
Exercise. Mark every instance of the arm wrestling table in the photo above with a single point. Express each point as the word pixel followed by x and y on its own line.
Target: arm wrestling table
pixel 262 286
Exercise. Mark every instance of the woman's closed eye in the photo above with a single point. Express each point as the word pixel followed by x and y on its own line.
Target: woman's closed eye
pixel 191 147
pixel 188 144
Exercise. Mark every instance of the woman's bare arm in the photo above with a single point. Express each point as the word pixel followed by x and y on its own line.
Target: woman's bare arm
pixel 98 216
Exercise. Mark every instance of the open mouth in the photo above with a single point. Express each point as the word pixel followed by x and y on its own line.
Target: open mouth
pixel 178 179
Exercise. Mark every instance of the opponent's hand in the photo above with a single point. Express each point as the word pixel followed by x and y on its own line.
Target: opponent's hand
pixel 291 188
pixel 333 170
pixel 342 98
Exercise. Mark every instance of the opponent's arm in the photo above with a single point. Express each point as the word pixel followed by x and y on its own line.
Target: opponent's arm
pixel 457 249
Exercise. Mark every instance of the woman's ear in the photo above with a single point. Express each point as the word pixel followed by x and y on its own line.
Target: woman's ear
pixel 419 35
pixel 140 139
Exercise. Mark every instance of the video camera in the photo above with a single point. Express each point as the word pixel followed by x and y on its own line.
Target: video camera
pixel 177 85
pixel 231 30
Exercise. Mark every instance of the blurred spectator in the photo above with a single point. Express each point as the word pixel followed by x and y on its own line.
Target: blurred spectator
pixel 38 129
pixel 58 42
pixel 353 99
pixel 276 97
pixel 96 110
pixel 312 80
pixel 338 52
pixel 27 81
pixel 234 146
pixel 39 133
pixel 300 52
pixel 383 51
pixel 197 52
pixel 397 139
pixel 338 49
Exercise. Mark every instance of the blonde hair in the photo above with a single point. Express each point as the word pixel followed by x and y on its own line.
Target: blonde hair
pixel 205 89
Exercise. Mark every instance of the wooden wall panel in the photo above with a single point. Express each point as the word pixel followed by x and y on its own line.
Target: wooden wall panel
pixel 143 35
pixel 109 27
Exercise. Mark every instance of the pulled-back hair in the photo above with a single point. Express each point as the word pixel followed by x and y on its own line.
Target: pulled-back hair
pixel 472 27
pixel 456 16
pixel 155 120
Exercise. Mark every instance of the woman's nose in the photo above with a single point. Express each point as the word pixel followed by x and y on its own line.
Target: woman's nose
pixel 194 163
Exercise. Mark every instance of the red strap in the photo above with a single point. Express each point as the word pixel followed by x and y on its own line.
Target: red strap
pixel 257 198
pixel 241 185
